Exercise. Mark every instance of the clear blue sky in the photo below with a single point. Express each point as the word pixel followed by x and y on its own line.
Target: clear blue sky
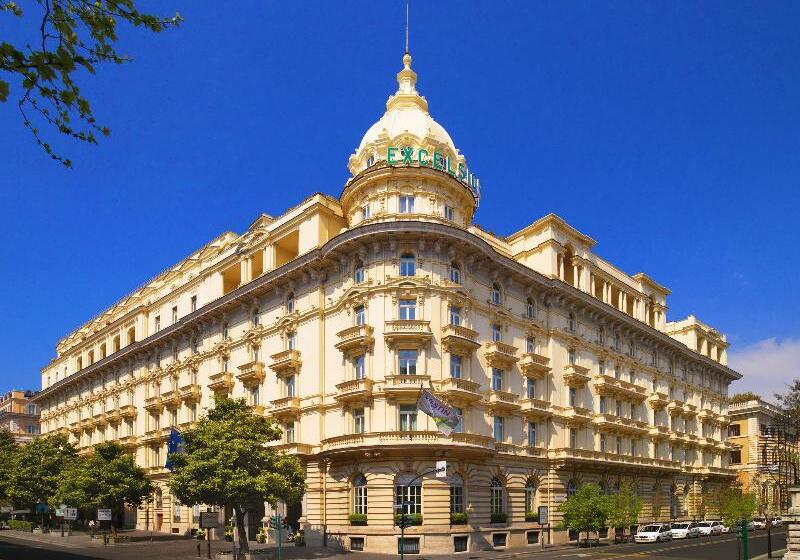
pixel 668 131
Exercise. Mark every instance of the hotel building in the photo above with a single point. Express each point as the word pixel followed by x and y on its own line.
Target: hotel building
pixel 331 317
pixel 19 415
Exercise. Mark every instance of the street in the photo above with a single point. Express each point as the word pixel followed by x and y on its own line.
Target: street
pixel 14 547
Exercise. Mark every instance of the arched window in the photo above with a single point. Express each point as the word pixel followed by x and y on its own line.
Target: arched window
pixel 496 296
pixel 360 494
pixel 408 493
pixel 530 496
pixel 408 265
pixel 455 273
pixel 572 489
pixel 290 303
pixel 498 496
pixel 456 494
pixel 530 308
pixel 358 272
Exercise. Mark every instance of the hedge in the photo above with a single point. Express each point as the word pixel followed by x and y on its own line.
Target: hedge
pixel 18 525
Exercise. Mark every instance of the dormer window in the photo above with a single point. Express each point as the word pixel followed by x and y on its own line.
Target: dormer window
pixel 495 296
pixel 406 204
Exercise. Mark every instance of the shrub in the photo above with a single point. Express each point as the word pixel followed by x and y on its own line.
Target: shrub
pixel 498 517
pixel 531 516
pixel 413 518
pixel 459 518
pixel 200 534
pixel 357 518
pixel 19 525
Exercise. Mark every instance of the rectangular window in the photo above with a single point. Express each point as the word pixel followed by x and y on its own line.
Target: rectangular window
pixel 532 434
pixel 449 214
pixel 194 303
pixel 460 426
pixel 360 313
pixel 157 323
pixel 499 428
pixel 455 315
pixel 193 413
pixel 406 204
pixel 174 314
pixel 573 438
pixel 602 443
pixel 619 409
pixel 408 309
pixel 530 388
pixel 173 417
pixel 408 265
pixel 571 357
pixel 573 394
pixel 407 362
pixel 366 212
pixel 254 396
pixel 291 341
pixel 619 445
pixel 460 543
pixel 358 421
pixel 736 457
pixel 358 366
pixel 290 386
pixel 601 366
pixel 530 344
pixel 497 334
pixel 225 330
pixel 734 430
pixel 497 379
pixel 456 498
pixel 289 432
pixel 455 366
pixel 408 417
pixel 602 405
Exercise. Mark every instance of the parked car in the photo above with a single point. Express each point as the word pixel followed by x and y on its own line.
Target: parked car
pixel 708 528
pixel 655 532
pixel 684 530
pixel 759 523
pixel 726 529
pixel 777 522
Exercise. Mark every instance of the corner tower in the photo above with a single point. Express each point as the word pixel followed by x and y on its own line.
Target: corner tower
pixel 407 166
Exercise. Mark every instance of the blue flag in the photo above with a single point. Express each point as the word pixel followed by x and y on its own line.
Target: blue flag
pixel 174 445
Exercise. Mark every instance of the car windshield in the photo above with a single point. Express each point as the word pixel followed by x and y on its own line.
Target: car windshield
pixel 704 524
pixel 650 529
pixel 680 525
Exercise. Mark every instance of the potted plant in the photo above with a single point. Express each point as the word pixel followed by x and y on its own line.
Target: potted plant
pixel 412 518
pixel 498 517
pixel 200 534
pixel 357 518
pixel 531 516
pixel 261 536
pixel 300 538
pixel 458 518
pixel 229 533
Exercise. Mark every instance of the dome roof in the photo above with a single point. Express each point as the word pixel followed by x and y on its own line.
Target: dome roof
pixel 406 122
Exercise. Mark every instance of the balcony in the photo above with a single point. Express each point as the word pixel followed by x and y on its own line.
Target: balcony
pixel 100 419
pixel 221 382
pixel 657 400
pixel 128 442
pixel 689 410
pixel 190 393
pixel 75 427
pixel 407 333
pixel 459 389
pixel 171 398
pixel 399 442
pixel 569 455
pixel 611 386
pixel 536 408
pixel 113 416
pixel 251 373
pixel 576 415
pixel 128 411
pixel 355 390
pixel 534 365
pixel 286 363
pixel 459 340
pixel 706 415
pixel 500 355
pixel 575 375
pixel 355 340
pixel 153 404
pixel 675 406
pixel 620 424
pixel 503 401
pixel 287 407
pixel 405 385
pixel 295 448
pixel 659 432
pixel 156 435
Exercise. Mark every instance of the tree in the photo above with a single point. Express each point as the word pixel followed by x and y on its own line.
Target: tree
pixel 586 511
pixel 737 506
pixel 624 507
pixel 69 36
pixel 8 451
pixel 37 468
pixel 226 462
pixel 109 478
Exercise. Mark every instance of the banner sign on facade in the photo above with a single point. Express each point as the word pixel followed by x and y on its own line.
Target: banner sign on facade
pixel 445 417
pixel 104 515
pixel 174 445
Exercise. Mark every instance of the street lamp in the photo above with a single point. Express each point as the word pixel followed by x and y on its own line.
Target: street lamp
pixel 441 467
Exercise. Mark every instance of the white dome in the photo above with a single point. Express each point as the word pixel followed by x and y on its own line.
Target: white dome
pixel 406 122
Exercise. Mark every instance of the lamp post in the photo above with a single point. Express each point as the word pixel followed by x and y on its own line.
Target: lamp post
pixel 403 505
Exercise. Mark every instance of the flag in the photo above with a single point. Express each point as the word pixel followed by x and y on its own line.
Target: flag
pixel 445 417
pixel 174 445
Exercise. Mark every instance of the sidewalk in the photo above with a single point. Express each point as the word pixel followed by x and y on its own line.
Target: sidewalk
pixel 83 539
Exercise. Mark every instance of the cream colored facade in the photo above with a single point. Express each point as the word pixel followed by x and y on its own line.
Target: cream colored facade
pixel 332 316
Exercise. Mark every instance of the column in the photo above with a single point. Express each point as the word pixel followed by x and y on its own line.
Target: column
pixel 269 257
pixel 576 275
pixel 560 266
pixel 592 284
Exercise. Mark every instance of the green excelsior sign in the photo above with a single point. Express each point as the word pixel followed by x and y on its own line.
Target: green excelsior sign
pixel 409 155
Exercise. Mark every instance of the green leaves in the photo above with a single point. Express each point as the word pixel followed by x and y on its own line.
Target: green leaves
pixel 587 511
pixel 74 35
pixel 227 461
pixel 8 450
pixel 37 468
pixel 736 505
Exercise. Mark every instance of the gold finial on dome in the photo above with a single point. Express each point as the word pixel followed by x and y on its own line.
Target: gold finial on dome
pixel 407 94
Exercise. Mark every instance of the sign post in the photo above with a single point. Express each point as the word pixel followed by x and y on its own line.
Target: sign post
pixel 209 520
pixel 70 515
pixel 544 520
pixel 104 518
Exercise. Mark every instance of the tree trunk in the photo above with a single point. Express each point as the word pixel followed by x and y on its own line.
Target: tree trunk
pixel 243 544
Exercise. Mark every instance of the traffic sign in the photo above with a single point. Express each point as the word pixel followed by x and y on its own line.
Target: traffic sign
pixel 104 515
pixel 543 515
pixel 71 514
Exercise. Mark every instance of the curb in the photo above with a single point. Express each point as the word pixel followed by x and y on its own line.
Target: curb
pixel 775 554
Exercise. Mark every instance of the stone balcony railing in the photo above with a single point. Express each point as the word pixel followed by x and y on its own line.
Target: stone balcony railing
pixel 610 385
pixel 251 373
pixel 127 411
pixel 459 340
pixel 171 398
pixel 286 363
pixel 502 401
pixel 657 400
pixel 295 448
pixel 458 388
pixel 675 406
pixel 355 340
pixel 597 457
pixel 536 408
pixel 405 385
pixel 575 415
pixel 410 332
pixel 620 424
pixel 190 393
pixel 533 365
pixel 354 390
pixel 659 432
pixel 286 407
pixel 575 375
pixel 356 443
pixel 221 382
pixel 154 403
pixel 500 355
